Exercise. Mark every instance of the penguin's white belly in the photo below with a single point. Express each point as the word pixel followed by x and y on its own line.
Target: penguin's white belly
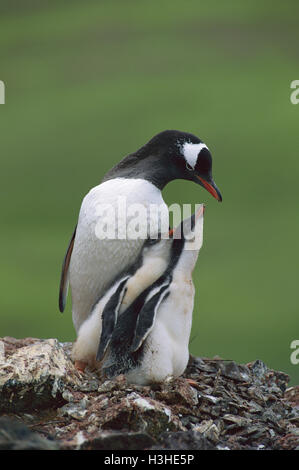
pixel 95 262
pixel 166 350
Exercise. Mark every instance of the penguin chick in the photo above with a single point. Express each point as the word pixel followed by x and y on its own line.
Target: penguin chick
pixel 149 341
pixel 150 265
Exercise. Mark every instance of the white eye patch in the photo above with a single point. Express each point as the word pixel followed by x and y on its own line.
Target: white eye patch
pixel 191 151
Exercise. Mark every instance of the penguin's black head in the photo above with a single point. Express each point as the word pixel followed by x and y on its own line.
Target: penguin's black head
pixel 168 156
pixel 183 156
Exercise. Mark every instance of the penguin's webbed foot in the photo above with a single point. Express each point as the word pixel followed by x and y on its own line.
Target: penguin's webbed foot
pixel 192 382
pixel 80 366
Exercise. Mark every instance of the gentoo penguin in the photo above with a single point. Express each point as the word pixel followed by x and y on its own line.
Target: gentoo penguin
pixel 92 263
pixel 146 337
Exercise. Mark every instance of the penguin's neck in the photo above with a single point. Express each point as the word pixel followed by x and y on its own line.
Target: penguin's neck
pixel 185 265
pixel 151 169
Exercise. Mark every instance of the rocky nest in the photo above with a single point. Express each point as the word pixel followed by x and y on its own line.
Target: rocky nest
pixel 46 403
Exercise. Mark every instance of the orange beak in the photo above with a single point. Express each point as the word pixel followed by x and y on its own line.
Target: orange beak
pixel 211 188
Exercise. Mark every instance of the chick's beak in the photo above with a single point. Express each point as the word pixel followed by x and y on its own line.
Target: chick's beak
pixel 211 187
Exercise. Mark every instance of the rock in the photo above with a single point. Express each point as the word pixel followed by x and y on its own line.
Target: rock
pixel 234 371
pixel 225 405
pixel 209 430
pixel 74 410
pixel 116 384
pixel 188 440
pixel 140 414
pixel 14 435
pixel 178 393
pixel 119 440
pixel 34 375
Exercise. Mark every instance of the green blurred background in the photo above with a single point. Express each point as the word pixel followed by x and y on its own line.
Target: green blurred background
pixel 89 82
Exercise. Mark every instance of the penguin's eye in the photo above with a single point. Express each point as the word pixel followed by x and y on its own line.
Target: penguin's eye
pixel 204 161
pixel 189 167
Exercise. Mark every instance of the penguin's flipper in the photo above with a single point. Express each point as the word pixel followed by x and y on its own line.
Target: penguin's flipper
pixel 64 279
pixel 147 315
pixel 109 317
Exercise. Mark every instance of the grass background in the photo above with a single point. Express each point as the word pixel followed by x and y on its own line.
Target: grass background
pixel 87 83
